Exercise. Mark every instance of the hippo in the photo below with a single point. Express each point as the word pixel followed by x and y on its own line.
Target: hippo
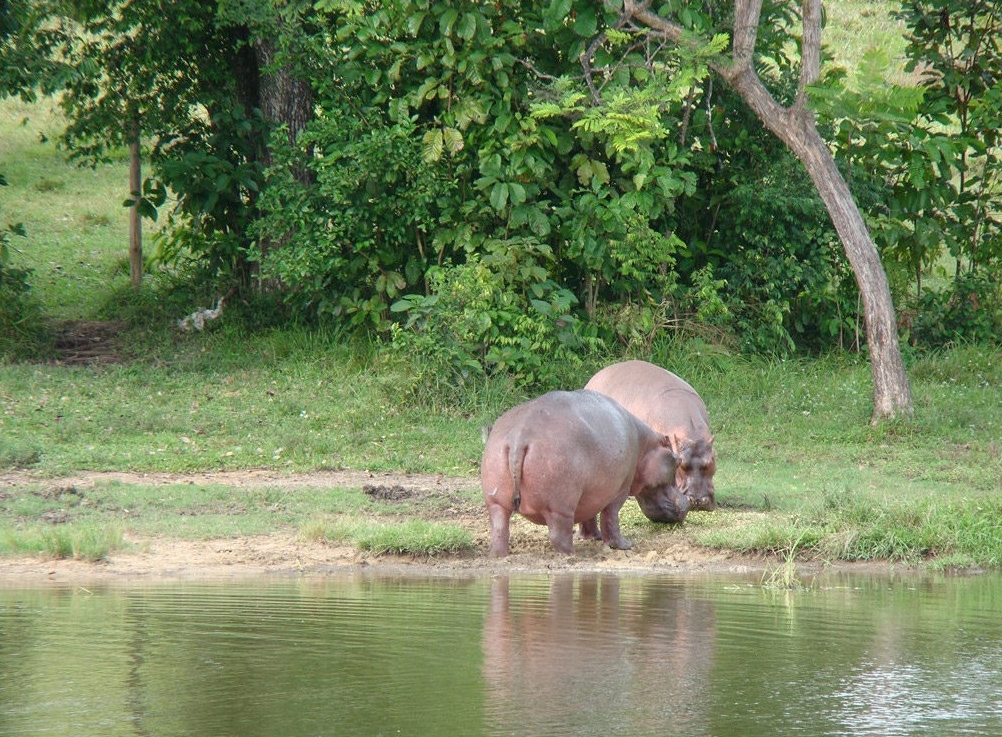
pixel 565 456
pixel 672 407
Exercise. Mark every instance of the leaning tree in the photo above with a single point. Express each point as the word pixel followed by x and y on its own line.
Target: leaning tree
pixel 795 125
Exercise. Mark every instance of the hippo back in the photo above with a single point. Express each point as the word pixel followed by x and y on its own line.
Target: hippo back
pixel 658 397
pixel 578 440
pixel 669 405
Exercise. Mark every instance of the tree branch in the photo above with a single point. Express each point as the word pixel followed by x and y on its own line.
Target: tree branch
pixel 810 50
pixel 746 19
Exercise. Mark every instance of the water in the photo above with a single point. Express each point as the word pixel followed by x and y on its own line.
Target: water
pixel 555 655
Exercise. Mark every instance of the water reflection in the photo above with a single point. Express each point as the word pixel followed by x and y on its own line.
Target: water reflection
pixel 595 656
pixel 556 655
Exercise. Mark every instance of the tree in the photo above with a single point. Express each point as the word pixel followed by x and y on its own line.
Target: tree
pixel 795 125
pixel 203 85
pixel 955 44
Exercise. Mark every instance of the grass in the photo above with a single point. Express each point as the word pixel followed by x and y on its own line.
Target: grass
pixel 78 235
pixel 800 468
pixel 90 523
pixel 90 543
pixel 853 27
pixel 409 537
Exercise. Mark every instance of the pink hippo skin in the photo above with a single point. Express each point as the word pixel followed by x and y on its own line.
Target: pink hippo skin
pixel 671 407
pixel 564 457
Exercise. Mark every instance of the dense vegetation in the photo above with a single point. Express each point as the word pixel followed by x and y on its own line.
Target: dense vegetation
pixel 451 179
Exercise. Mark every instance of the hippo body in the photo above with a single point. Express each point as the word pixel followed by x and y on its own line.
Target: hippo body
pixel 671 407
pixel 565 457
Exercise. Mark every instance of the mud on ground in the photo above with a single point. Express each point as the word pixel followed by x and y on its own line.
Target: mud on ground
pixel 283 554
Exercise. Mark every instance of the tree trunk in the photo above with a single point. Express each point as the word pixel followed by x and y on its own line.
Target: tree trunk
pixel 796 127
pixel 135 219
pixel 891 391
pixel 285 99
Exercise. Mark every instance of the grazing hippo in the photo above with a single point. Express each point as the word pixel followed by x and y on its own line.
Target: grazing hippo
pixel 672 407
pixel 563 458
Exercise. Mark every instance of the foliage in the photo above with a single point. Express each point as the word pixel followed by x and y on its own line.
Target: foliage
pixel 21 330
pixel 753 219
pixel 954 42
pixel 446 133
pixel 217 169
pixel 925 163
pixel 496 313
pixel 968 310
pixel 360 236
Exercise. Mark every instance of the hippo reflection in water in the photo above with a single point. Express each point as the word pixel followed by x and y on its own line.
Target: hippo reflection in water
pixel 672 407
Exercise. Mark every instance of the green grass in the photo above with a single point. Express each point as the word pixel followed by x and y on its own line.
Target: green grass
pixel 77 230
pixel 852 27
pixel 90 523
pixel 408 537
pixel 77 542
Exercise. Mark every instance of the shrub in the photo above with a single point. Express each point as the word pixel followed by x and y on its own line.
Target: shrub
pixel 969 310
pixel 494 313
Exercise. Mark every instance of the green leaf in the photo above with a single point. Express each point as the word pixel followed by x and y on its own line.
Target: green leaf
pixel 555 13
pixel 147 210
pixel 414 22
pixel 432 145
pixel 499 196
pixel 586 23
pixel 447 21
pixel 467 26
pixel 453 140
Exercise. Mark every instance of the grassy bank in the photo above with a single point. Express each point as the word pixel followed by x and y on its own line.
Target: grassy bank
pixel 799 466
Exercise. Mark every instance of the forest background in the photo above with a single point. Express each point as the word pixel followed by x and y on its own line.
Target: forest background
pixel 457 220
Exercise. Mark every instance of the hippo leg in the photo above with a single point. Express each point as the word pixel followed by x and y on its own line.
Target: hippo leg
pixel 500 530
pixel 561 527
pixel 589 529
pixel 611 534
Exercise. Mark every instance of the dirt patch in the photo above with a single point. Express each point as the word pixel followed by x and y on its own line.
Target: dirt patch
pixel 283 554
pixel 86 342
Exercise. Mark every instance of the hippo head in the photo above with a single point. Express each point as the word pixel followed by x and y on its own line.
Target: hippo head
pixel 694 474
pixel 663 503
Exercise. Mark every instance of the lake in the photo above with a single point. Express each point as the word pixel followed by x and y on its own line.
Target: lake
pixel 564 654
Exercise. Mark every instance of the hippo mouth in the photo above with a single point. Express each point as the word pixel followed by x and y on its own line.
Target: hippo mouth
pixel 704 503
pixel 663 504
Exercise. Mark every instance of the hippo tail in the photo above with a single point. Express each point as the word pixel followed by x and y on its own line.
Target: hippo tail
pixel 516 458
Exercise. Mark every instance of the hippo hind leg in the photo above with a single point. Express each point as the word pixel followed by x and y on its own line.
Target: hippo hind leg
pixel 500 529
pixel 589 529
pixel 561 527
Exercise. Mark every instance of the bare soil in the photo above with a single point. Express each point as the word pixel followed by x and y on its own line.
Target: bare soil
pixel 283 554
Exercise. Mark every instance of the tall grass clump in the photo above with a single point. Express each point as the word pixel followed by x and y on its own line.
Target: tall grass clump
pixel 408 537
pixel 87 543
pixel 852 527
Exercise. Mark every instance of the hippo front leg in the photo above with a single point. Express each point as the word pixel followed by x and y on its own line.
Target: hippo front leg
pixel 500 529
pixel 611 534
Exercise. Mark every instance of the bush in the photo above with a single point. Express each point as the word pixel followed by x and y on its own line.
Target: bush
pixel 499 313
pixel 23 331
pixel 968 311
pixel 354 240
